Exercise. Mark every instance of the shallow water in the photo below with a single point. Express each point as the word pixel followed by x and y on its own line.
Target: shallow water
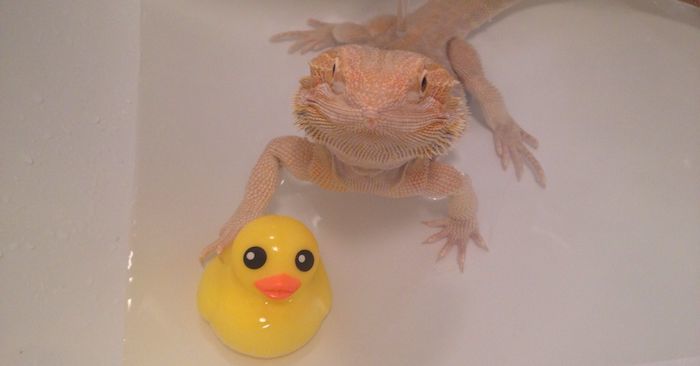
pixel 599 268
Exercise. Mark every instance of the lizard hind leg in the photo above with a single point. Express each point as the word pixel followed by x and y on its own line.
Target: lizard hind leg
pixel 324 35
pixel 512 143
pixel 319 37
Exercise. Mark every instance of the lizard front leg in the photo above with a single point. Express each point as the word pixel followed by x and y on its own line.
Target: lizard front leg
pixel 510 139
pixel 324 35
pixel 293 153
pixel 461 224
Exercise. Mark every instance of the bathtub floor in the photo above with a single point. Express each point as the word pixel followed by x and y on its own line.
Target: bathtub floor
pixel 602 267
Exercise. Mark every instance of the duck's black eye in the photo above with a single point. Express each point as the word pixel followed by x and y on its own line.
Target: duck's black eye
pixel 254 257
pixel 423 84
pixel 304 260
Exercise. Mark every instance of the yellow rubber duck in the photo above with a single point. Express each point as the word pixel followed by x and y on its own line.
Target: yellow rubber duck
pixel 267 294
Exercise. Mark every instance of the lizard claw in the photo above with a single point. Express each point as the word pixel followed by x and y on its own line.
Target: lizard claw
pixel 511 144
pixel 226 237
pixel 457 233
pixel 316 39
pixel 211 250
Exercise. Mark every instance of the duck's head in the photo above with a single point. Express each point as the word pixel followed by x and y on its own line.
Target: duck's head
pixel 273 256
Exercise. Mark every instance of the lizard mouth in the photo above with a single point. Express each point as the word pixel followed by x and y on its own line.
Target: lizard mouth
pixel 379 138
pixel 375 147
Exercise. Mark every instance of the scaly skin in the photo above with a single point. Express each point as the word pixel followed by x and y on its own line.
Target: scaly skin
pixel 377 116
pixel 378 112
pixel 436 30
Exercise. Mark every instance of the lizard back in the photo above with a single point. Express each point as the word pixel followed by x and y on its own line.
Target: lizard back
pixel 433 24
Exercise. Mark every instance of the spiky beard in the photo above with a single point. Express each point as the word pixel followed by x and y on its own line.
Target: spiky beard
pixel 372 149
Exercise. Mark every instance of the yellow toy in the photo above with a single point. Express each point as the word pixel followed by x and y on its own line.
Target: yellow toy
pixel 267 294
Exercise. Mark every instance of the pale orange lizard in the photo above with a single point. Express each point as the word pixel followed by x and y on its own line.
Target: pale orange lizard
pixel 379 111
pixel 377 116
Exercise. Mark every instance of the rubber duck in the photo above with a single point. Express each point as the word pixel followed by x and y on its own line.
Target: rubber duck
pixel 268 293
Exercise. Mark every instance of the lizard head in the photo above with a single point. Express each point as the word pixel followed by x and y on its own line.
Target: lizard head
pixel 378 109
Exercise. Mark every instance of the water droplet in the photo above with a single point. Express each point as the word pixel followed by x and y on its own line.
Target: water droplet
pixel 687 163
pixel 13 246
pixel 436 198
pixel 1 254
pixel 28 159
pixel 98 120
pixel 130 263
pixel 315 221
pixel 31 246
pixel 38 99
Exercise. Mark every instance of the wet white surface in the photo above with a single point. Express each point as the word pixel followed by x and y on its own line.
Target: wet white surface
pixel 601 268
pixel 68 103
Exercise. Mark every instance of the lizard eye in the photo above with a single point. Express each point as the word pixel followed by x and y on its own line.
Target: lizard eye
pixel 423 83
pixel 336 81
pixel 334 69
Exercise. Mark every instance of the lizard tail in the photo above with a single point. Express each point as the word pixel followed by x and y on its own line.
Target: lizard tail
pixel 401 17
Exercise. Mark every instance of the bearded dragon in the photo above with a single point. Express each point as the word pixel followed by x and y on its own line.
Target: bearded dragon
pixel 379 111
pixel 379 108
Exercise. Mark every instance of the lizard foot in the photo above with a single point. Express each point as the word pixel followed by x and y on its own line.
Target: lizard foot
pixel 510 141
pixel 210 250
pixel 457 233
pixel 226 237
pixel 316 39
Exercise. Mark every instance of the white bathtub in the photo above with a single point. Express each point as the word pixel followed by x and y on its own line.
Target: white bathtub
pixel 601 268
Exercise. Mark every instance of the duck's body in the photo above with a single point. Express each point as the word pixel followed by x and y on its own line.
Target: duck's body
pixel 258 327
pixel 251 310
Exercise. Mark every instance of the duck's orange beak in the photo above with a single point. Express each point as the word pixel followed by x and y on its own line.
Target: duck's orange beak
pixel 278 287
